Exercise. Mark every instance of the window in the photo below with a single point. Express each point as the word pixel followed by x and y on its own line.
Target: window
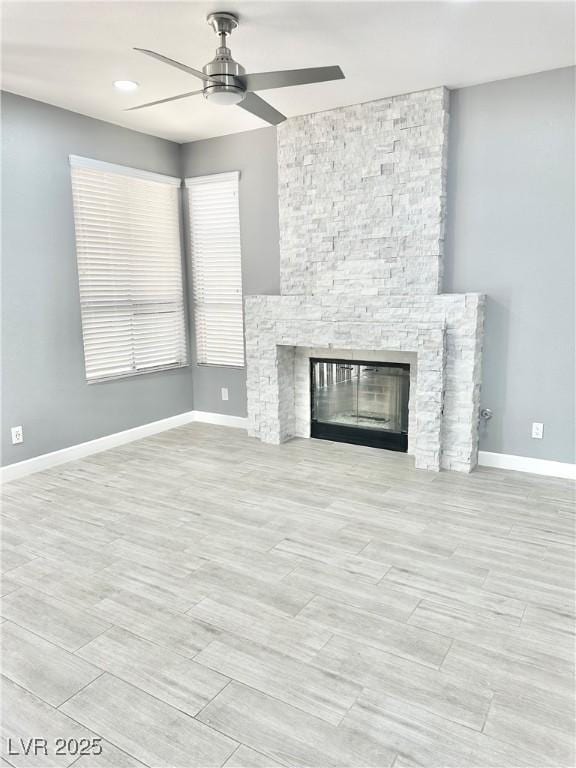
pixel 129 268
pixel 216 268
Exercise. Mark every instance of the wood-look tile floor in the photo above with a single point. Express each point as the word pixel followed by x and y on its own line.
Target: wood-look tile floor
pixel 199 599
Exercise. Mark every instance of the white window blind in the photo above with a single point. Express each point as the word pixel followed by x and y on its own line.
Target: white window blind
pixel 130 269
pixel 214 224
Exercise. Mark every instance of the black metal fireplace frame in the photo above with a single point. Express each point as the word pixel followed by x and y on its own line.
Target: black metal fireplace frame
pixel 374 438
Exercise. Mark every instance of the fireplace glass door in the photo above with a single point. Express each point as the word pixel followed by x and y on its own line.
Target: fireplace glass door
pixel 362 403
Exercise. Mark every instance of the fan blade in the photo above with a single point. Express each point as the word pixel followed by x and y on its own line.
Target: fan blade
pixel 163 101
pixel 261 108
pixel 264 81
pixel 178 65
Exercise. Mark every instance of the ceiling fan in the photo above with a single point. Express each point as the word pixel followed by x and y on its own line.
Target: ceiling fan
pixel 226 82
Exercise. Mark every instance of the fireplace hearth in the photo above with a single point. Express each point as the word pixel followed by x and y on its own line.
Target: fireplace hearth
pixel 364 403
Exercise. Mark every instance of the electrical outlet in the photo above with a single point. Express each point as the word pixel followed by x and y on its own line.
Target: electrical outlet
pixel 17 435
pixel 224 393
pixel 537 430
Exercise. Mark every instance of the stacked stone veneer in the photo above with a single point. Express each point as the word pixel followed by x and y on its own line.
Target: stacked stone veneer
pixel 362 196
pixel 362 209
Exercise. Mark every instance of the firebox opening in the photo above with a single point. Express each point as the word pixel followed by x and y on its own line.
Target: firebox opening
pixel 365 403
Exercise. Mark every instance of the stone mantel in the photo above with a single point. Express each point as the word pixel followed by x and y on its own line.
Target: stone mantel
pixel 443 331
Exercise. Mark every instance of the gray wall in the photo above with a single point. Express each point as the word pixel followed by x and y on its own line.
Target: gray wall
pixel 253 154
pixel 44 387
pixel 511 235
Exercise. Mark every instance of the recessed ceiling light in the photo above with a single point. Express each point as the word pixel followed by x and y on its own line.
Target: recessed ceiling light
pixel 126 85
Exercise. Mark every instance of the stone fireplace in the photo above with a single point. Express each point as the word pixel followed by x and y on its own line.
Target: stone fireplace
pixel 362 208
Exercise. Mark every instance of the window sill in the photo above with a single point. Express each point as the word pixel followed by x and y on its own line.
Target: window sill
pixel 147 371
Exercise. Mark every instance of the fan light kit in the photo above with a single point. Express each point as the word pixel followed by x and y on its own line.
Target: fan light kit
pixel 126 85
pixel 226 82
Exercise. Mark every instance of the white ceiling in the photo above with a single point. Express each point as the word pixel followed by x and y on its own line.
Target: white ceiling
pixel 69 53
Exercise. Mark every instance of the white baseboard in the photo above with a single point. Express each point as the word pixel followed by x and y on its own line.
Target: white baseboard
pixel 55 458
pixel 238 422
pixel 63 456
pixel 527 464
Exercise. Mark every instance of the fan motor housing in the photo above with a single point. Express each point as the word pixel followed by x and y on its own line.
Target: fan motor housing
pixel 228 90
